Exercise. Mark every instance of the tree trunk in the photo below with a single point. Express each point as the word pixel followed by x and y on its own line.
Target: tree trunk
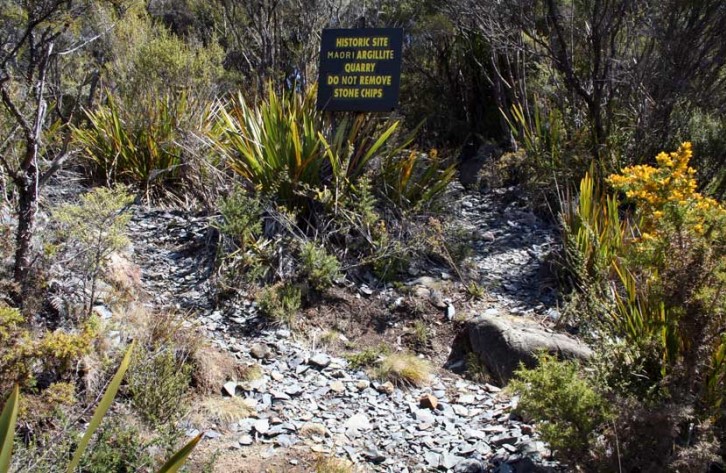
pixel 26 220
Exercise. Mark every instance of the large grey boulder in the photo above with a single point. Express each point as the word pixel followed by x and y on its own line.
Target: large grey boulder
pixel 503 342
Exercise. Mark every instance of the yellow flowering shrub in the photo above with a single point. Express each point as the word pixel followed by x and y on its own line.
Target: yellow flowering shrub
pixel 25 353
pixel 672 268
pixel 666 196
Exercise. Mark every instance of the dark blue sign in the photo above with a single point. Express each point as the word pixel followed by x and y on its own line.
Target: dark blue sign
pixel 360 69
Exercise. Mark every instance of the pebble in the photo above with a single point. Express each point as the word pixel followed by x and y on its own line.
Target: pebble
pixel 321 360
pixel 428 401
pixel 386 388
pixel 230 388
pixel 262 426
pixel 358 422
pixel 259 351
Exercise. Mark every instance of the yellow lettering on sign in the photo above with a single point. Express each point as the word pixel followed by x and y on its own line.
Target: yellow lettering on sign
pixel 372 93
pixel 374 54
pixel 359 67
pixel 375 80
pixel 353 42
pixel 346 93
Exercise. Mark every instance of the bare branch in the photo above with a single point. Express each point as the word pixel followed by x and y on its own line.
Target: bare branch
pixel 13 109
pixel 85 43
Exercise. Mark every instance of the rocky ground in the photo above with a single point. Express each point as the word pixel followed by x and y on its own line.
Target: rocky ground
pixel 309 400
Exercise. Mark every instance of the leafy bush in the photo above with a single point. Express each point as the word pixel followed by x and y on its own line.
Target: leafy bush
pixel 148 60
pixel 26 354
pixel 119 448
pixel 318 266
pixel 91 231
pixel 241 218
pixel 158 384
pixel 676 300
pixel 245 254
pixel 280 302
pixel 568 409
pixel 649 283
pixel 8 418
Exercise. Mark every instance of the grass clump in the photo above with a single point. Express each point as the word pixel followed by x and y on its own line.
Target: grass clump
pixel 332 465
pixel 566 406
pixel 476 369
pixel 280 303
pixel 224 410
pixel 250 372
pixel 404 369
pixel 367 357
pixel 421 333
pixel 474 291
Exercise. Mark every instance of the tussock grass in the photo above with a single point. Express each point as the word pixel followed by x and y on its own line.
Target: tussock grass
pixel 222 410
pixel 333 465
pixel 404 369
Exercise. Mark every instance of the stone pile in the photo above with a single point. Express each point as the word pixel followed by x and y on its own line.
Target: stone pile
pixel 307 399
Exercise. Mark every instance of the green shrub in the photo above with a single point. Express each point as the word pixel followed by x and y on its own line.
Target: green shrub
pixel 367 357
pixel 280 303
pixel 158 384
pixel 91 231
pixel 25 354
pixel 649 282
pixel 8 418
pixel 118 449
pixel 317 266
pixel 149 60
pixel 241 217
pixel 245 255
pixel 567 408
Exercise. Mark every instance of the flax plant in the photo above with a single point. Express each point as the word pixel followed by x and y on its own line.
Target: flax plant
pixel 285 147
pixel 416 180
pixel 141 146
pixel 275 146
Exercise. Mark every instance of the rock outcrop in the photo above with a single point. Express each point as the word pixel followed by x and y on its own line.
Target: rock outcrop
pixel 503 342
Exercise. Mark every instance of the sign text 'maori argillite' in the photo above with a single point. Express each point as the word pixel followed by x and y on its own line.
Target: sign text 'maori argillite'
pixel 360 69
